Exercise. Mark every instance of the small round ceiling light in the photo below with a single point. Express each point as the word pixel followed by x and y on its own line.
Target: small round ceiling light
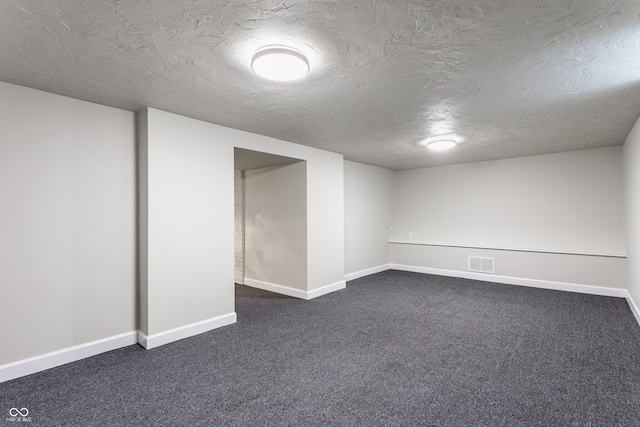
pixel 280 63
pixel 441 145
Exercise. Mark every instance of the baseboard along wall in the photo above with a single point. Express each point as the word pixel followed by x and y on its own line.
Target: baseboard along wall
pixel 166 337
pixel 534 283
pixel 366 272
pixel 296 293
pixel 634 308
pixel 61 357
pixel 50 360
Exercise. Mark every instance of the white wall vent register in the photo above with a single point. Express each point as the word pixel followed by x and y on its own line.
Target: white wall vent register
pixel 481 265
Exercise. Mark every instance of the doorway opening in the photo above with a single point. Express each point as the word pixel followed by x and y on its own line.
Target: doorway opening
pixel 270 222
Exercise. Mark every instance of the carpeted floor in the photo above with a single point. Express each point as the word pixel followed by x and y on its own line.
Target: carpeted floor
pixel 392 349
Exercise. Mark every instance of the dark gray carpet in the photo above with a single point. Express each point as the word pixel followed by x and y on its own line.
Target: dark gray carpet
pixel 392 349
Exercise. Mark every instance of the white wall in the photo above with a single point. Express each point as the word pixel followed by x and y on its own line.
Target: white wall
pixel 604 272
pixel 276 225
pixel 142 155
pixel 368 211
pixel 67 223
pixel 189 220
pixel 325 220
pixel 566 202
pixel 238 231
pixel 632 205
pixel 68 226
pixel 190 244
pixel 325 203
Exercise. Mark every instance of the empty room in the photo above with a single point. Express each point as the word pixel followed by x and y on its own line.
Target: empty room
pixel 336 212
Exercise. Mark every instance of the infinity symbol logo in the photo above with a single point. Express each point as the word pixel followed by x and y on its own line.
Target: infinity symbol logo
pixel 14 412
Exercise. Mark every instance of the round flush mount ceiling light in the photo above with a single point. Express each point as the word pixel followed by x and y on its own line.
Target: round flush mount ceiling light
pixel 441 145
pixel 280 63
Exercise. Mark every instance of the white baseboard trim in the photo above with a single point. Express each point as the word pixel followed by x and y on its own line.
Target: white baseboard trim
pixel 318 292
pixel 634 308
pixel 46 361
pixel 366 272
pixel 278 289
pixel 166 337
pixel 533 283
pixel 296 293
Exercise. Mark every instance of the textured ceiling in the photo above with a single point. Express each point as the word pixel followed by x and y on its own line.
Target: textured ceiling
pixel 505 78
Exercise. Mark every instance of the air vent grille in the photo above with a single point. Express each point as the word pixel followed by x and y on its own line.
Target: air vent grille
pixel 481 265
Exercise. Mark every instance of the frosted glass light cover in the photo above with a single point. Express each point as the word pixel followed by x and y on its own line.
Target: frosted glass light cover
pixel 280 63
pixel 444 144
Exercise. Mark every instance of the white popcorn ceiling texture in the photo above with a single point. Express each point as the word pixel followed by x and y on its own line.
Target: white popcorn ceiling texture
pixel 507 78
